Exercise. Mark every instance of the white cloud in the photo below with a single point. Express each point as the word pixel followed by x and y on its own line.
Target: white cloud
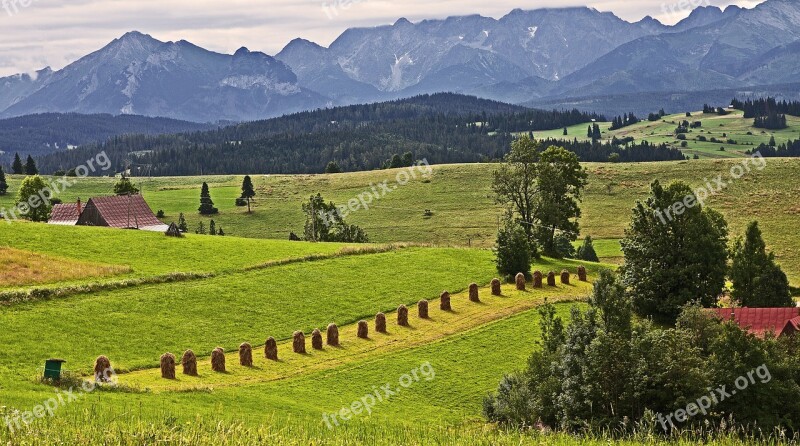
pixel 55 32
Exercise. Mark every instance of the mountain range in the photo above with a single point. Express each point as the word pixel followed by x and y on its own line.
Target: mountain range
pixel 524 56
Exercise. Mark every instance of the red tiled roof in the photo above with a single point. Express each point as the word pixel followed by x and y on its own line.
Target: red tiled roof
pixel 759 321
pixel 125 212
pixel 64 214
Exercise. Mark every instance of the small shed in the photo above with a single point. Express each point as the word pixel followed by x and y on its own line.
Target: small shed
pixel 122 212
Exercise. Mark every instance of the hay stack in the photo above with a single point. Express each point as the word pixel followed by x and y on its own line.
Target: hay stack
pixel 582 276
pixel 102 369
pixel 246 355
pixel 473 293
pixel 519 280
pixel 496 287
pixel 333 335
pixel 299 343
pixel 316 339
pixel 444 302
pixel 168 366
pixel 538 278
pixel 402 316
pixel 218 360
pixel 380 323
pixel 565 277
pixel 271 349
pixel 551 279
pixel 189 362
pixel 363 330
pixel 422 308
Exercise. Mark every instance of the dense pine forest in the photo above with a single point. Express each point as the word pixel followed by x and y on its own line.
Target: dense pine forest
pixel 766 107
pixel 441 128
pixel 42 134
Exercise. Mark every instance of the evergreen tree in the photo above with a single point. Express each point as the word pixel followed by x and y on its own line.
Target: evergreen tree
pixel 590 133
pixel 30 167
pixel 674 257
pixel 587 252
pixel 772 141
pixel 333 167
pixel 201 229
pixel 596 133
pixel 206 204
pixel 566 132
pixel 212 228
pixel 17 168
pixel 182 226
pixel 3 184
pixel 125 187
pixel 221 232
pixel 757 281
pixel 248 192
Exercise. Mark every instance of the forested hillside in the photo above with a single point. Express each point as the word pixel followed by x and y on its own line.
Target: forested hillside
pixel 442 128
pixel 42 134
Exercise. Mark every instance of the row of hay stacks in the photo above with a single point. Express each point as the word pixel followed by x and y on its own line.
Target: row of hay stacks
pixel 189 359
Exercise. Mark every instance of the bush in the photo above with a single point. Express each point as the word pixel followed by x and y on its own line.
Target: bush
pixel 608 371
pixel 587 252
pixel 512 250
pixel 241 202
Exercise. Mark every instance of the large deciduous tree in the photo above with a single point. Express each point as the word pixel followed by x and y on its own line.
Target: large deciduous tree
pixel 33 199
pixel 757 281
pixel 672 261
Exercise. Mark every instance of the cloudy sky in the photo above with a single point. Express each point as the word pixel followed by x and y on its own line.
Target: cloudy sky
pixel 40 33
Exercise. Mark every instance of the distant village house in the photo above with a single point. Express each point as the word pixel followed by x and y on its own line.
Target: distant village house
pixel 122 212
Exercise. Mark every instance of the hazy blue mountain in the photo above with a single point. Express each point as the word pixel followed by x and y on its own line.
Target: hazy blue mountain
pixel 544 54
pixel 137 74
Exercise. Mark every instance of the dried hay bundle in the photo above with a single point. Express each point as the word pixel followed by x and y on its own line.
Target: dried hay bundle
pixel 582 275
pixel 538 279
pixel 218 360
pixel 565 277
pixel 402 316
pixel 444 302
pixel 299 342
pixel 551 279
pixel 422 309
pixel 102 369
pixel 380 323
pixel 189 362
pixel 316 339
pixel 246 355
pixel 363 330
pixel 168 366
pixel 473 293
pixel 271 349
pixel 520 281
pixel 496 287
pixel 333 335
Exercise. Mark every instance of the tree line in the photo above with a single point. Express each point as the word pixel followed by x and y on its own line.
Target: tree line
pixel 443 128
pixel 765 106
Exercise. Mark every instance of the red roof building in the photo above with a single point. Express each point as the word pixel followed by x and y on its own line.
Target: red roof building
pixel 65 214
pixel 122 212
pixel 760 321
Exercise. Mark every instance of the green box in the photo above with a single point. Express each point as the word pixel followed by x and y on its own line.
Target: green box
pixel 52 369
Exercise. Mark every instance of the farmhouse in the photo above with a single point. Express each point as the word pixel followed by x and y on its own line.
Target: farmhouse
pixel 122 212
pixel 760 321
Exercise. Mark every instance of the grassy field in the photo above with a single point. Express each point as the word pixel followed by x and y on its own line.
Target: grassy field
pixel 459 196
pixel 729 127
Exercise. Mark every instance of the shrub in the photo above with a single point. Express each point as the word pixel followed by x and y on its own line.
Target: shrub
pixel 586 251
pixel 512 250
